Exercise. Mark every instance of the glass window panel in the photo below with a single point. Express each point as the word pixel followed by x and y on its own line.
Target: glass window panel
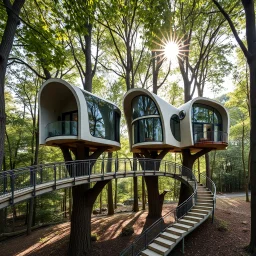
pixel 143 106
pixel 198 132
pixel 158 133
pixel 147 129
pixel 104 118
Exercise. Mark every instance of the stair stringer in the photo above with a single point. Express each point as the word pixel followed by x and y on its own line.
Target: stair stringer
pixel 153 250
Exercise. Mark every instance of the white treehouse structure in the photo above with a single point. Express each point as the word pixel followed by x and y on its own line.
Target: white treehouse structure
pixel 154 124
pixel 69 115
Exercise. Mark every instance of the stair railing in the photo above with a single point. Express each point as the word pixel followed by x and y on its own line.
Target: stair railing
pixel 147 236
pixel 212 187
pixel 141 242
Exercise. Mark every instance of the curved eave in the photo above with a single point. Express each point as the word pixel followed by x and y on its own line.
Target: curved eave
pixel 72 141
pixel 157 146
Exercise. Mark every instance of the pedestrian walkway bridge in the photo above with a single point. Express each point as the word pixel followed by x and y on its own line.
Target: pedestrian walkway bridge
pixel 24 183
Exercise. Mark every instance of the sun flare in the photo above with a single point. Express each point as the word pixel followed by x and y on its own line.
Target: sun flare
pixel 170 48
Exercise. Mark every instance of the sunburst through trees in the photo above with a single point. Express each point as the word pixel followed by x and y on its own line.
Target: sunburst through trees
pixel 170 48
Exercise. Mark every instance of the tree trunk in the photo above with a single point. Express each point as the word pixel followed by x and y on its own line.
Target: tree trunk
pixel 30 215
pixel 110 190
pixel 13 12
pixel 135 188
pixel 188 161
pixel 88 58
pixel 83 200
pixel 244 168
pixel 115 193
pixel 143 194
pixel 135 195
pixel 207 166
pixel 252 66
pixel 155 200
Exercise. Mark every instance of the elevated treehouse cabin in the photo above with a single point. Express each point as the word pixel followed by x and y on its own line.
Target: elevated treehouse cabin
pixel 155 124
pixel 69 114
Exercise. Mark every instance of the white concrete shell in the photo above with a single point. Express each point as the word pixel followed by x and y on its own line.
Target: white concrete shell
pixel 56 97
pixel 166 112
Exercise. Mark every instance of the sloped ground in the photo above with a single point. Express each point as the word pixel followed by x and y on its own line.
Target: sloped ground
pixel 229 234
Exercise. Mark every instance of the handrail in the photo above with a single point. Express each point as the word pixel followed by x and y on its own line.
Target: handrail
pixel 147 236
pixel 212 187
pixel 210 137
pixel 179 212
pixel 61 128
pixel 27 178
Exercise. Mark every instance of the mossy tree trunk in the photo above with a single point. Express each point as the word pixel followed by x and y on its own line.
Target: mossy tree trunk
pixel 155 200
pixel 83 200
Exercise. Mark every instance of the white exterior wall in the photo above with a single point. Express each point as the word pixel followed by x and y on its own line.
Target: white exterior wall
pixel 166 111
pixel 51 107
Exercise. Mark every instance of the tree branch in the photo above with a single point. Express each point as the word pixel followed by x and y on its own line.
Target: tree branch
pixel 233 29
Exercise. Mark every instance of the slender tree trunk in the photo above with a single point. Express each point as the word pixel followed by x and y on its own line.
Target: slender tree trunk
pixel 135 188
pixel 30 215
pixel 115 193
pixel 13 11
pixel 207 165
pixel 252 66
pixel 110 190
pixel 243 161
pixel 70 205
pixel 143 194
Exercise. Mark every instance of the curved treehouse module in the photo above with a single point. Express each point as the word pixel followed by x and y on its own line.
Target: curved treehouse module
pixel 69 114
pixel 154 124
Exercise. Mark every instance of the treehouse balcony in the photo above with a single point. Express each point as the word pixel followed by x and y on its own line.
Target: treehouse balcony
pixel 216 139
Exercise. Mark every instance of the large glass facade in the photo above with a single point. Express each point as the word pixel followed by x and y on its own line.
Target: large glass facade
pixel 207 123
pixel 104 118
pixel 147 124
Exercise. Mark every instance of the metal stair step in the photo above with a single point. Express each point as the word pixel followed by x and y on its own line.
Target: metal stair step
pixel 197 214
pixel 205 206
pixel 193 218
pixel 169 236
pixel 204 197
pixel 176 231
pixel 204 192
pixel 182 226
pixel 205 212
pixel 187 222
pixel 204 202
pixel 209 205
pixel 149 252
pixel 157 248
pixel 164 242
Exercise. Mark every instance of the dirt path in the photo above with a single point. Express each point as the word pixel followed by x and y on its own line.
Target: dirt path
pixel 228 235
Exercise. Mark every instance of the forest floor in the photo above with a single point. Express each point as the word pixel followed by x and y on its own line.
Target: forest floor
pixel 228 235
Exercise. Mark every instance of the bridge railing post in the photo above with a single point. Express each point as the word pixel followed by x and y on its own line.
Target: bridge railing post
pixel 55 176
pixel 116 167
pixel 12 177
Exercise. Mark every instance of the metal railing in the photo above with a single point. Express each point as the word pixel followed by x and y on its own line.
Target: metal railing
pixel 61 128
pixel 211 137
pixel 31 177
pixel 147 236
pixel 212 187
pixel 155 229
